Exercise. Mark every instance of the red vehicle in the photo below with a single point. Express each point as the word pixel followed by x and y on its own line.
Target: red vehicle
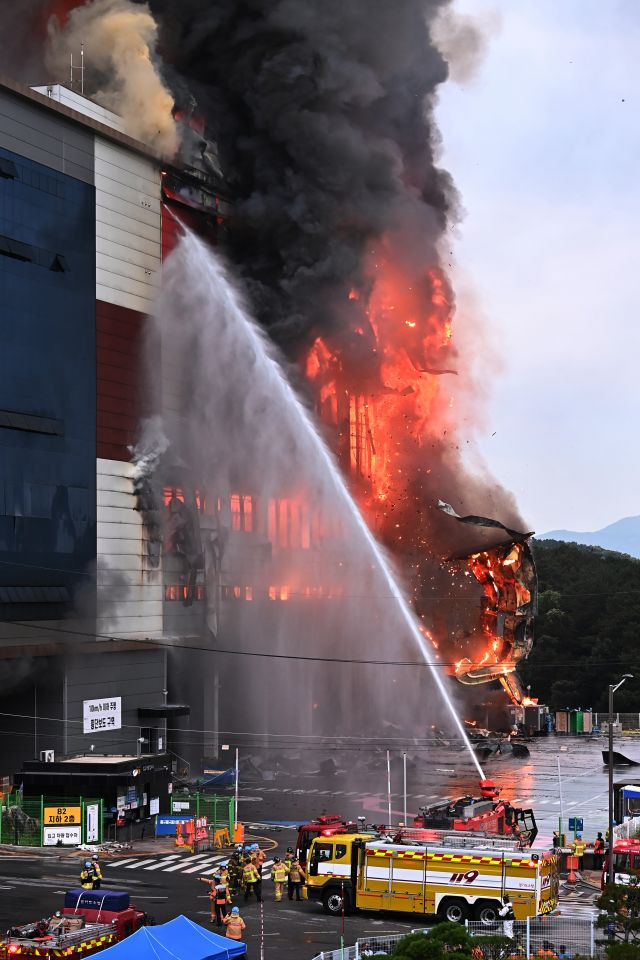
pixel 486 814
pixel 324 826
pixel 90 921
pixel 626 860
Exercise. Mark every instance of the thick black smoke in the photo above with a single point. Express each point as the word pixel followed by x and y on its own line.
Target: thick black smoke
pixel 322 110
pixel 22 37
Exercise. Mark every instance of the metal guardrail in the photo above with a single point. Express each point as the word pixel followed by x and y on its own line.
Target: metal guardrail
pixel 570 935
pixel 628 828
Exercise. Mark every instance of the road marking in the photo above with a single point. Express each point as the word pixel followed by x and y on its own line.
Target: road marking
pixel 186 861
pixel 141 897
pixel 209 866
pixel 138 863
pixel 202 867
pixel 118 863
pixel 163 863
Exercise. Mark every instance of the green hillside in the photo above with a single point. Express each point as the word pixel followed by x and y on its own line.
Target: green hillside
pixel 588 627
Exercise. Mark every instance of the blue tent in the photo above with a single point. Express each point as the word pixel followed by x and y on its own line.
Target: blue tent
pixel 179 939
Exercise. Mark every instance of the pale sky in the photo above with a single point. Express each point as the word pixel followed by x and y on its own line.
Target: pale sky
pixel 544 145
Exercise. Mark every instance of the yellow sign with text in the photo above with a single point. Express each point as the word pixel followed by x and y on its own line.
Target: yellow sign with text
pixel 62 816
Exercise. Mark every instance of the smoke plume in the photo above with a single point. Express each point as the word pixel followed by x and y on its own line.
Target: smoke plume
pixel 323 115
pixel 119 39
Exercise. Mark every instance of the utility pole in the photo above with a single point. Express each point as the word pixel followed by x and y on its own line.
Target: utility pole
pixel 612 690
pixel 389 787
pixel 561 817
pixel 404 773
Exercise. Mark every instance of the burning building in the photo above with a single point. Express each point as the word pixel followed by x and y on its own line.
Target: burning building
pixel 337 230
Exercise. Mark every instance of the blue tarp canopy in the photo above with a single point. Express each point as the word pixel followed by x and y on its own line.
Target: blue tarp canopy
pixel 179 939
pixel 631 791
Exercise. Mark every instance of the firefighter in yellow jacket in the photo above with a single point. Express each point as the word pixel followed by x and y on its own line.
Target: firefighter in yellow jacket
pixel 578 848
pixel 252 881
pixel 87 875
pixel 279 874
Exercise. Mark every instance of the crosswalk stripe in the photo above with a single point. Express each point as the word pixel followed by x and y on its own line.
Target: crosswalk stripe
pixel 207 868
pixel 138 863
pixel 186 862
pixel 202 867
pixel 118 863
pixel 163 863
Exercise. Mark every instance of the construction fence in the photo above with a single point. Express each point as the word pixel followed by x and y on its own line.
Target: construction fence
pixel 219 811
pixel 623 721
pixel 50 821
pixel 571 936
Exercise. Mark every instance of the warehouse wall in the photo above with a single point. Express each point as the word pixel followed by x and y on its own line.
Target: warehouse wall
pixel 128 251
pixel 47 139
pixel 139 677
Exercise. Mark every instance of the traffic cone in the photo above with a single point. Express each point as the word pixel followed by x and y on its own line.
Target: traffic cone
pixel 572 863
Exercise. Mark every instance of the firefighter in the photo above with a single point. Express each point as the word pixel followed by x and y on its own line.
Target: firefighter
pixel 296 876
pixel 234 924
pixel 289 857
pixel 86 876
pixel 507 916
pixel 235 873
pixel 279 874
pixel 259 856
pixel 578 848
pixel 97 872
pixel 221 899
pixel 252 881
pixel 223 872
pixel 598 852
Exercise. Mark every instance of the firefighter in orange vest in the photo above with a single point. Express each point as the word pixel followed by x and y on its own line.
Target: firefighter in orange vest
pixel 278 875
pixel 234 924
pixel 598 852
pixel 252 881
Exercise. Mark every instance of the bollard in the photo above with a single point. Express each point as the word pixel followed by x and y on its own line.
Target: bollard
pixel 572 863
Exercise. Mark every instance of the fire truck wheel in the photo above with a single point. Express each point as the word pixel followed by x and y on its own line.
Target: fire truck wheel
pixel 486 911
pixel 332 902
pixel 454 909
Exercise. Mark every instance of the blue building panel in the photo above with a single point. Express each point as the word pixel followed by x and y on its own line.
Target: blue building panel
pixel 47 385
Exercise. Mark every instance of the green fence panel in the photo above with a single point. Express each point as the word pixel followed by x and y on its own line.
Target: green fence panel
pixel 23 820
pixel 218 810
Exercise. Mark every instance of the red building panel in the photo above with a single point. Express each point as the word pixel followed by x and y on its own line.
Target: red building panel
pixel 120 374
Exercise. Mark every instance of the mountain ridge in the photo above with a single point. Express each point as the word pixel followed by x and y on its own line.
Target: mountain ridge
pixel 622 535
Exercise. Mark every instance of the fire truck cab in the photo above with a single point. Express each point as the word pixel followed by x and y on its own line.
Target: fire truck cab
pixel 456 878
pixel 324 826
pixel 626 861
pixel 90 921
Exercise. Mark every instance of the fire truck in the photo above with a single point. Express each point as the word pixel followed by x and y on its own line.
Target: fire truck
pixel 460 877
pixel 325 826
pixel 626 861
pixel 90 921
pixel 485 814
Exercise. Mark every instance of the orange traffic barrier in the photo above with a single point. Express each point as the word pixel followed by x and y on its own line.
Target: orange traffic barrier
pixel 221 838
pixel 572 864
pixel 238 833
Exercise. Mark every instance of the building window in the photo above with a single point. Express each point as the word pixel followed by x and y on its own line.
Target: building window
pixel 242 512
pixel 180 591
pixel 172 493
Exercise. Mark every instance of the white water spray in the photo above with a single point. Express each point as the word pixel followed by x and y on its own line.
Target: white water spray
pixel 207 273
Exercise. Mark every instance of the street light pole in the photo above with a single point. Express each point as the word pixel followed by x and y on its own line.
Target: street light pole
pixel 612 689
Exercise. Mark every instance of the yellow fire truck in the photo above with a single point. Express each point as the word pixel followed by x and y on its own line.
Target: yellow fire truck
pixel 456 880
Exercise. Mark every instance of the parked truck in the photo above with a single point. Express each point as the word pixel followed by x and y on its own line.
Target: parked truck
pixel 89 922
pixel 453 878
